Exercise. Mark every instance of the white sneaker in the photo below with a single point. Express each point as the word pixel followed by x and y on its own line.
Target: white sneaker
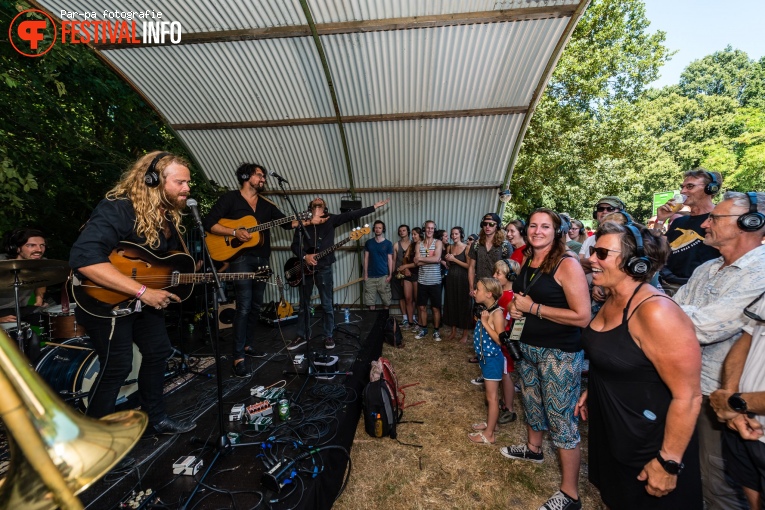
pixel 422 334
pixel 436 336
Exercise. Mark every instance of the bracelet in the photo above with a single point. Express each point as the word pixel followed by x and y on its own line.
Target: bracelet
pixel 140 291
pixel 539 312
pixel 234 232
pixel 531 307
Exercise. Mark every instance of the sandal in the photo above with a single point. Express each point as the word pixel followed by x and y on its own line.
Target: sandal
pixel 479 435
pixel 480 427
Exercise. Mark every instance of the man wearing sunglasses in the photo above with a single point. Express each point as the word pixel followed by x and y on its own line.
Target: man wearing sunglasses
pixel 714 298
pixel 603 208
pixel 741 404
pixel 686 234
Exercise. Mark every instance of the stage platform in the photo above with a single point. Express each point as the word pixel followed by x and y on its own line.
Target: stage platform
pixel 323 420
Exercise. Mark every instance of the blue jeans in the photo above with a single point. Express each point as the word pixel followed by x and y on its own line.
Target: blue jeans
pixel 249 300
pixel 323 280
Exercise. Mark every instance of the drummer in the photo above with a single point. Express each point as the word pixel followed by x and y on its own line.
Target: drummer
pixel 25 243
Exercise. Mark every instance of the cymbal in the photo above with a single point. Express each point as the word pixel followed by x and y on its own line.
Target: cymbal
pixel 32 273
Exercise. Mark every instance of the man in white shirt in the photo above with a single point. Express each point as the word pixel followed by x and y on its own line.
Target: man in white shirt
pixel 714 298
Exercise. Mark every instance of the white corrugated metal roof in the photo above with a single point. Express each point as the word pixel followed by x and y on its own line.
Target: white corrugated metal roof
pixel 432 95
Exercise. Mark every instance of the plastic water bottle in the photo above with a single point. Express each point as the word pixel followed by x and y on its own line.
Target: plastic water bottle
pixel 347 315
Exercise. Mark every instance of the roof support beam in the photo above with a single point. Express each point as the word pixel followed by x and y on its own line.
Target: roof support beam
pixel 451 114
pixel 390 189
pixel 354 27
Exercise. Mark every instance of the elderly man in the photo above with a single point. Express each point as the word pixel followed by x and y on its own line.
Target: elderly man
pixel 714 298
pixel 686 234
pixel 603 208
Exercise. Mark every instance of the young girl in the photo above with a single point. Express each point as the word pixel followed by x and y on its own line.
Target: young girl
pixel 505 271
pixel 486 344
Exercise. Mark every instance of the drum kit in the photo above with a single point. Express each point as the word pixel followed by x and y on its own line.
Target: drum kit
pixel 67 360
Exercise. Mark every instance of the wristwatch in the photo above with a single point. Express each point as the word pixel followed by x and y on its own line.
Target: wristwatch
pixel 737 403
pixel 670 466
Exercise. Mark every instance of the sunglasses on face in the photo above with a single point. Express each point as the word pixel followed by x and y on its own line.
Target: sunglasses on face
pixel 688 186
pixel 488 224
pixel 750 313
pixel 602 253
pixel 605 208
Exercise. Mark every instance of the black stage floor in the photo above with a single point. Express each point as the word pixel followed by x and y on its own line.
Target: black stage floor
pixel 321 427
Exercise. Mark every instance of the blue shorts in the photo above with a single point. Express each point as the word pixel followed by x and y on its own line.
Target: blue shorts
pixel 492 367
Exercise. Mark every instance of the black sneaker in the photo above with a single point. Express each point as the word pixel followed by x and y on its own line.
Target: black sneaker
pixel 249 351
pixel 240 369
pixel 560 501
pixel 298 342
pixel 170 426
pixel 507 416
pixel 329 343
pixel 522 452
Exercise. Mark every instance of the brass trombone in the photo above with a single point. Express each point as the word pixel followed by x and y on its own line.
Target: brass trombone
pixel 56 452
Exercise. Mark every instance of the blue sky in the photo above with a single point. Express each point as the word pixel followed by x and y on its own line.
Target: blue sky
pixel 699 28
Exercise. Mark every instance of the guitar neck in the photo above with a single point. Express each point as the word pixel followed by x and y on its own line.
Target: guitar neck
pixel 332 248
pixel 267 225
pixel 226 277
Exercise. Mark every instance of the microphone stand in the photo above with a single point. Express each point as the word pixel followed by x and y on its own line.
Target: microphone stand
pixel 223 443
pixel 303 235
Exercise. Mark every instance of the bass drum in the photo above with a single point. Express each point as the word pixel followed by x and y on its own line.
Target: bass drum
pixel 72 370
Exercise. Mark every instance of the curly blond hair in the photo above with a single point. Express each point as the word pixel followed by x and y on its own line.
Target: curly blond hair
pixel 151 205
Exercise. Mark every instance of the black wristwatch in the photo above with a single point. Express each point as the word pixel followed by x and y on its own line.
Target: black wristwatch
pixel 670 466
pixel 737 403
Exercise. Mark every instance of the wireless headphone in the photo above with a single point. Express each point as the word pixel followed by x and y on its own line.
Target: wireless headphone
pixel 522 230
pixel 713 187
pixel 555 215
pixel 511 275
pixel 639 265
pixel 14 240
pixel 151 177
pixel 753 220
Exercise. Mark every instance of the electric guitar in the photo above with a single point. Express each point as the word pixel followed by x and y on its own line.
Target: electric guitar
pixel 225 247
pixel 174 271
pixel 292 272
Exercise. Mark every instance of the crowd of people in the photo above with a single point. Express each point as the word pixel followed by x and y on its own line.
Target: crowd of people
pixel 670 323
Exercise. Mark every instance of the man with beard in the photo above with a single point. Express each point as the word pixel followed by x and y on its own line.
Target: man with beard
pixel 246 201
pixel 143 208
pixel 26 244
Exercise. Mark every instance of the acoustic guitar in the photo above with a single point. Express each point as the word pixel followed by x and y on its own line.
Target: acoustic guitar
pixel 223 248
pixel 294 275
pixel 174 271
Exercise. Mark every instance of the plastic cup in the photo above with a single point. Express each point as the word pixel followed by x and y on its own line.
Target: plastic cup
pixel 678 201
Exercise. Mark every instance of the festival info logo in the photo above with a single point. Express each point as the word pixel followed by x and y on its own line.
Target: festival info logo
pixel 33 32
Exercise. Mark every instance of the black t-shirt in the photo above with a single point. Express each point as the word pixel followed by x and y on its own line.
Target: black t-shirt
pixel 323 236
pixel 113 221
pixel 233 206
pixel 686 240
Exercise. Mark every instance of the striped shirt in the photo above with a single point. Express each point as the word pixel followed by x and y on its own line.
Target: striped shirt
pixel 430 273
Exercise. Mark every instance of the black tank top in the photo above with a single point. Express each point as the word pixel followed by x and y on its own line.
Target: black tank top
pixel 547 292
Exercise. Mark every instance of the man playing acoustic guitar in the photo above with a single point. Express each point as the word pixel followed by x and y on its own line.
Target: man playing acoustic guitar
pixel 144 208
pixel 230 220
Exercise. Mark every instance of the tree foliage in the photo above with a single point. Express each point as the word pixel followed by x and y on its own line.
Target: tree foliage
pixel 597 130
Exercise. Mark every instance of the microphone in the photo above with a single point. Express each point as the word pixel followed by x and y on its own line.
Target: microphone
pixel 194 210
pixel 274 174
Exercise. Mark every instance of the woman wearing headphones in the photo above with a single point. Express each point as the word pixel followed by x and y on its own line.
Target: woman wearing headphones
pixel 644 389
pixel 550 306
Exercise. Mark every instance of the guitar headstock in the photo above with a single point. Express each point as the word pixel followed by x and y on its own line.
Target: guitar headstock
pixel 359 232
pixel 279 282
pixel 305 215
pixel 263 273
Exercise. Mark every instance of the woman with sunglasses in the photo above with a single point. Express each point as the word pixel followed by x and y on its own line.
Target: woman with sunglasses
pixel 550 306
pixel 644 390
